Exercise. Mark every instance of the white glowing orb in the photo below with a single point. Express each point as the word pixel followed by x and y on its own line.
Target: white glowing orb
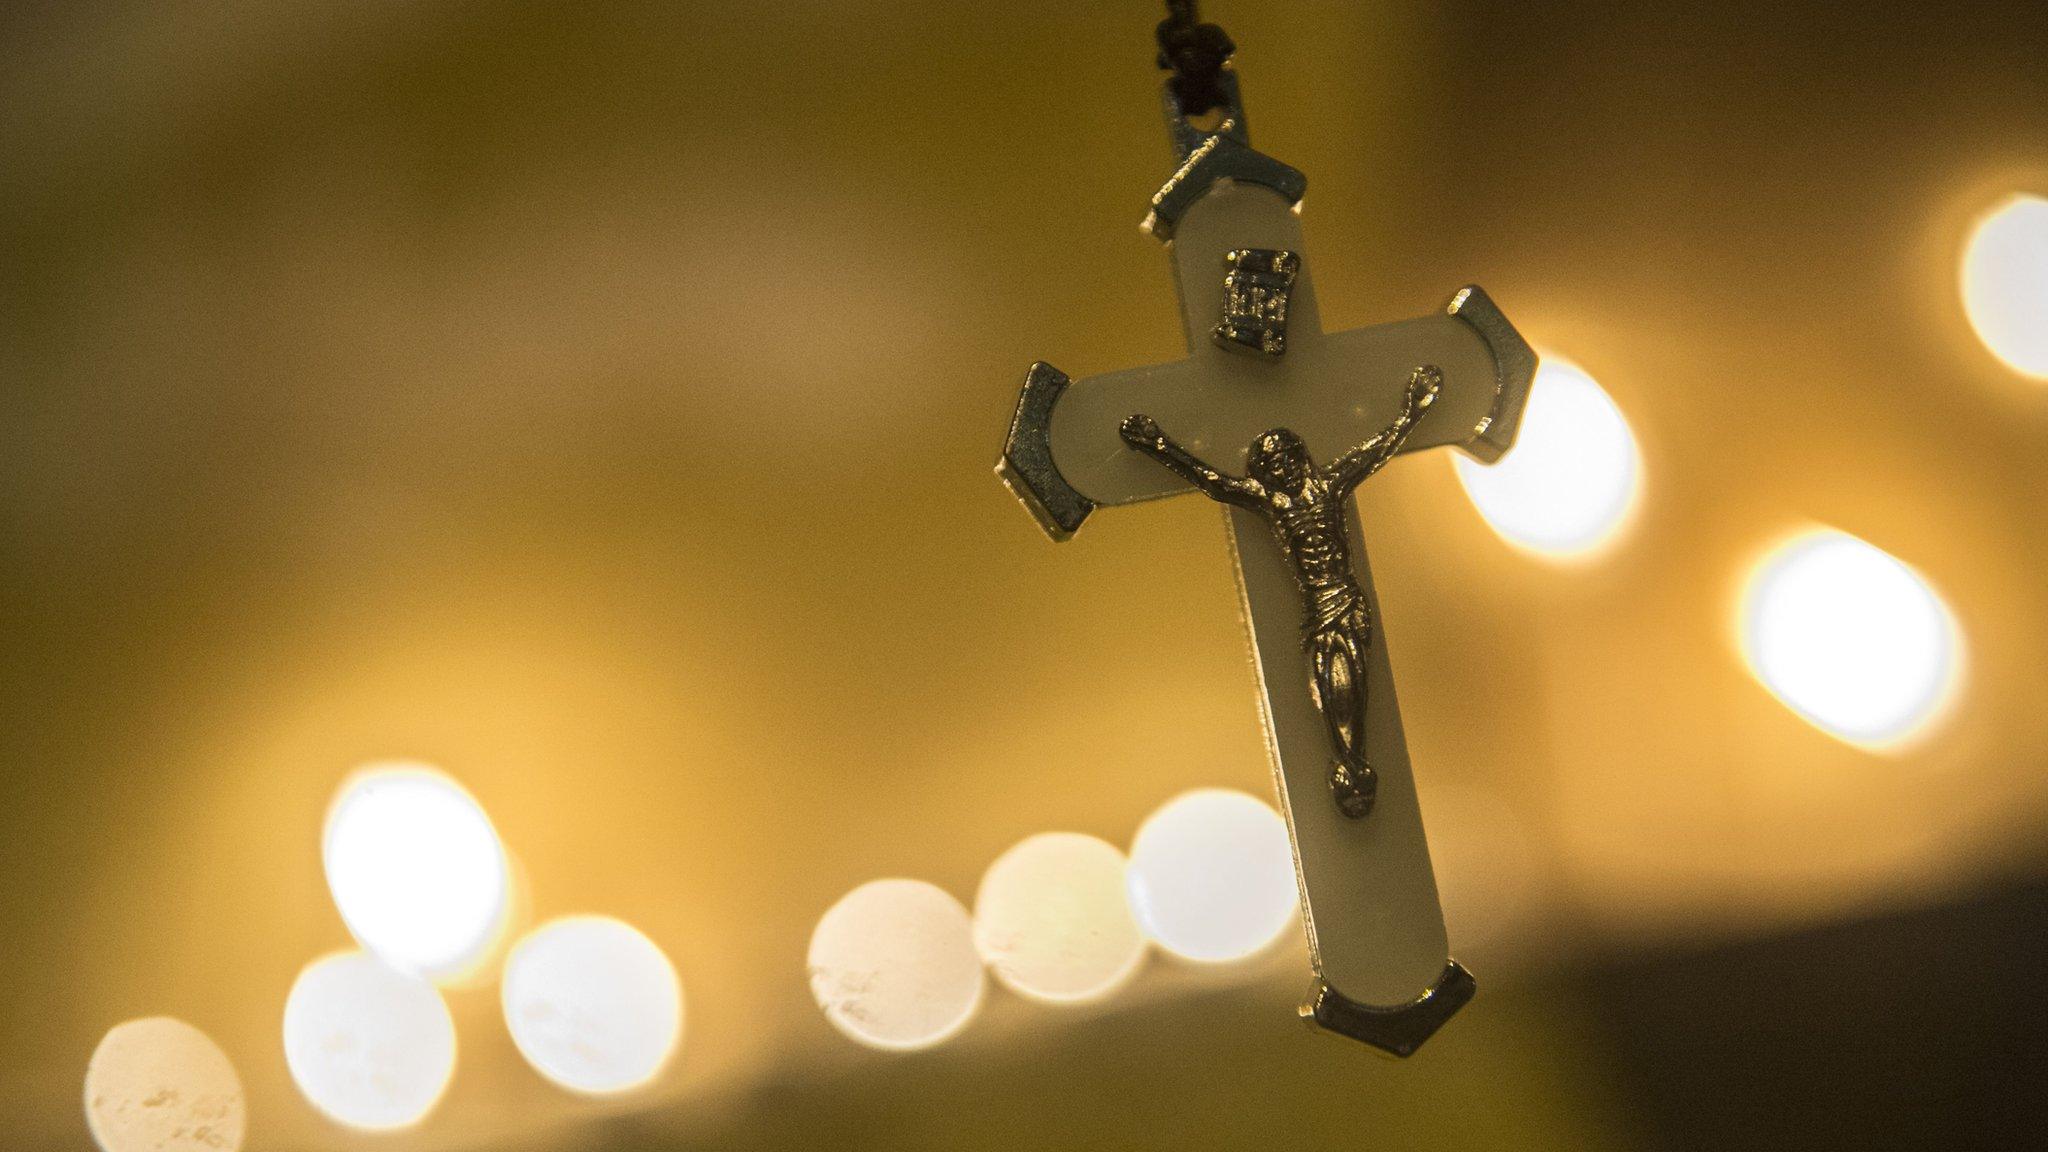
pixel 1849 638
pixel 1212 875
pixel 2005 283
pixel 592 1004
pixel 1567 485
pixel 161 1085
pixel 1051 920
pixel 369 1046
pixel 416 870
pixel 893 965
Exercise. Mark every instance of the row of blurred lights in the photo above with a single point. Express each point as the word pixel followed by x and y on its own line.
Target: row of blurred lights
pixel 1844 634
pixel 1061 918
pixel 424 884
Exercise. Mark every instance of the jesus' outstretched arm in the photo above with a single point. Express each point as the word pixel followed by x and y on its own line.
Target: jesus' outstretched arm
pixel 1142 433
pixel 1354 466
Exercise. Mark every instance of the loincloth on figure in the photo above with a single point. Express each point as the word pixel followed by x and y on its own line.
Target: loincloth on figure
pixel 1338 610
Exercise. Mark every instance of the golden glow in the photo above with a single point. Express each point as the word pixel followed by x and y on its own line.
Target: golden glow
pixel 1051 920
pixel 893 965
pixel 593 1005
pixel 1569 483
pixel 369 1046
pixel 1212 875
pixel 161 1085
pixel 416 870
pixel 1850 638
pixel 2005 283
pixel 1491 875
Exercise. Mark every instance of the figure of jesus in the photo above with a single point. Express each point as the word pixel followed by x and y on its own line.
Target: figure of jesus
pixel 1303 503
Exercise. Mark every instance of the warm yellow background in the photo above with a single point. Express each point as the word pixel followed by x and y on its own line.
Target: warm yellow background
pixel 599 402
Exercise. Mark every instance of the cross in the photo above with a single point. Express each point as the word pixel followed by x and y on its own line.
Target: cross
pixel 1260 368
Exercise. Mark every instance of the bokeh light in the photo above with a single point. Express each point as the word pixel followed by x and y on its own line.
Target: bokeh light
pixel 1569 483
pixel 593 1005
pixel 161 1085
pixel 1211 875
pixel 893 965
pixel 2005 283
pixel 1052 922
pixel 416 870
pixel 368 1045
pixel 1849 638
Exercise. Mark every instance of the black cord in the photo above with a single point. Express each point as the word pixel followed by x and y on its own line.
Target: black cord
pixel 1195 53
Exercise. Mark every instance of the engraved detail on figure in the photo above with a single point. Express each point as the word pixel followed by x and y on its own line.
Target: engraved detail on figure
pixel 1303 503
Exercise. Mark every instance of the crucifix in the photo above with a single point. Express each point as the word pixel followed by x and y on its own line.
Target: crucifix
pixel 1263 396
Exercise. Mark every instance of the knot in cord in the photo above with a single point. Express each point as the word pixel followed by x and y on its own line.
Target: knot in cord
pixel 1195 53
